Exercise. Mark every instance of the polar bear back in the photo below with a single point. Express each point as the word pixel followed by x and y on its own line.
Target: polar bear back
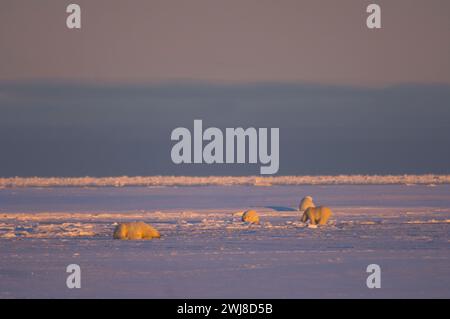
pixel 251 217
pixel 135 231
pixel 317 215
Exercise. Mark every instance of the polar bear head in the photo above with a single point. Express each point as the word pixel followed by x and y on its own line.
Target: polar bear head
pixel 306 203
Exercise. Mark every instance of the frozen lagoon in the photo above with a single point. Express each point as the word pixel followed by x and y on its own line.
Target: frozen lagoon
pixel 207 252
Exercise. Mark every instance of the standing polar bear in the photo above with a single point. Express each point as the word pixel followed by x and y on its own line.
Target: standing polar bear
pixel 316 215
pixel 251 217
pixel 134 231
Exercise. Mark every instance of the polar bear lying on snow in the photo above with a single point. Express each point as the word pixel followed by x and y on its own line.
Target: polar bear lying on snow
pixel 134 231
pixel 316 215
pixel 251 217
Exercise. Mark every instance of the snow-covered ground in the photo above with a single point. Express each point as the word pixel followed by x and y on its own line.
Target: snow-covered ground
pixel 121 181
pixel 207 252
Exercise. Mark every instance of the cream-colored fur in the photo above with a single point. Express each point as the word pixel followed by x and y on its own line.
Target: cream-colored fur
pixel 250 216
pixel 317 215
pixel 134 231
pixel 306 202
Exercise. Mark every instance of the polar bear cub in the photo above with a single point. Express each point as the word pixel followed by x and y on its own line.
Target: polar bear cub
pixel 306 202
pixel 317 215
pixel 134 231
pixel 251 217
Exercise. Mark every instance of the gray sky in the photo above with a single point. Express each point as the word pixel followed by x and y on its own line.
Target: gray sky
pixel 313 41
pixel 103 100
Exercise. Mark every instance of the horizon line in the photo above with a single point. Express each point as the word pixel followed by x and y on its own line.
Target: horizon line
pixel 185 82
pixel 250 180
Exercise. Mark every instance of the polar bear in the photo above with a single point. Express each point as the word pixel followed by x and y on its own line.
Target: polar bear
pixel 306 202
pixel 317 215
pixel 134 231
pixel 251 217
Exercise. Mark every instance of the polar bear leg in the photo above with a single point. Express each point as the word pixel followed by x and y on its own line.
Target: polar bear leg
pixel 304 217
pixel 312 220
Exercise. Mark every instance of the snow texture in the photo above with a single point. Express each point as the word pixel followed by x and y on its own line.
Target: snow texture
pixel 206 251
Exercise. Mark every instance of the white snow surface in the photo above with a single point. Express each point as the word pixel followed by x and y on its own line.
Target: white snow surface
pixel 207 252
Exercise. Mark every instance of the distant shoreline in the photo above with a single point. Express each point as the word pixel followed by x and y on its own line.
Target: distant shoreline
pixel 125 181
